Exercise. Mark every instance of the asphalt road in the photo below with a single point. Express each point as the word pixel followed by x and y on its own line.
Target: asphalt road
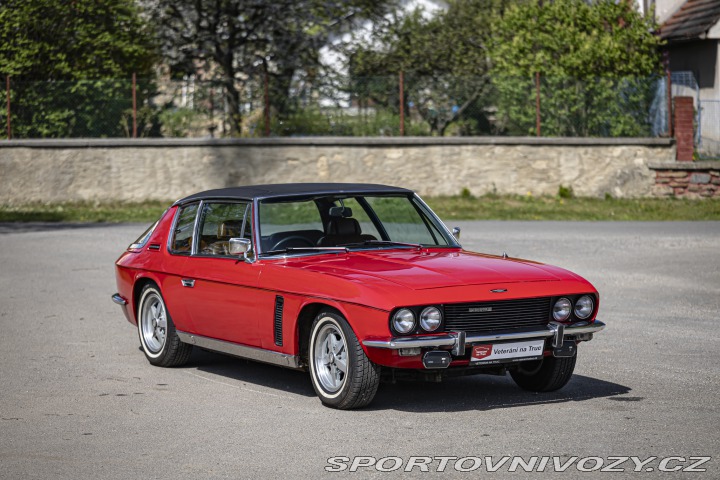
pixel 79 400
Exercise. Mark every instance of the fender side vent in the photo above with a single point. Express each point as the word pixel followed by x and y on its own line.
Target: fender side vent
pixel 279 302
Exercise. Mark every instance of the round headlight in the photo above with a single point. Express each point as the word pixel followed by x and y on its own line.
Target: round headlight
pixel 403 321
pixel 430 319
pixel 561 310
pixel 584 307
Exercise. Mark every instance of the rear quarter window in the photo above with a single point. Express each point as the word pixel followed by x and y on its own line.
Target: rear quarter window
pixel 182 234
pixel 143 239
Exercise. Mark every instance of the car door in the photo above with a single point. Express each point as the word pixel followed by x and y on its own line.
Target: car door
pixel 179 248
pixel 221 290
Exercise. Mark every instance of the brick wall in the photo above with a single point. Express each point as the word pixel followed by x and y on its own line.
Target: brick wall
pixel 684 116
pixel 696 180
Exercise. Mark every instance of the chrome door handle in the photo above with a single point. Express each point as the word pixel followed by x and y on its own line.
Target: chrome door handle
pixel 188 282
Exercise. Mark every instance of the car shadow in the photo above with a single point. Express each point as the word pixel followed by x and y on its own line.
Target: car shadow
pixel 271 376
pixel 476 392
pixel 485 392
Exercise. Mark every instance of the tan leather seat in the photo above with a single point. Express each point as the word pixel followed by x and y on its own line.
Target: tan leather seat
pixel 226 230
pixel 229 229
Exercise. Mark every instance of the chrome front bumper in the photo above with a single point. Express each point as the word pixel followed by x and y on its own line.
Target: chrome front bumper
pixel 457 341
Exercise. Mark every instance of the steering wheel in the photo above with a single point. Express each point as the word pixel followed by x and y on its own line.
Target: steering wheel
pixel 294 241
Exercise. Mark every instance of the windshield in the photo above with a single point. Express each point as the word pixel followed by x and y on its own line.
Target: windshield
pixel 341 223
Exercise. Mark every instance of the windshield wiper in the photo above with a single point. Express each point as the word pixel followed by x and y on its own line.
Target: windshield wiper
pixel 306 249
pixel 386 243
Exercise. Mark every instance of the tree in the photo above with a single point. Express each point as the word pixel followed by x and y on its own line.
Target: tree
pixel 59 54
pixel 238 40
pixel 596 60
pixel 445 58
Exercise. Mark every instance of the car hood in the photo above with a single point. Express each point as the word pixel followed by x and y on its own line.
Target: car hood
pixel 430 268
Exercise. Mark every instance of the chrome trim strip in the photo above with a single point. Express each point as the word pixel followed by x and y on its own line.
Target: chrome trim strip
pixel 244 222
pixel 119 300
pixel 410 342
pixel 196 232
pixel 248 212
pixel 255 218
pixel 584 327
pixel 449 340
pixel 454 242
pixel 237 350
pixel 509 336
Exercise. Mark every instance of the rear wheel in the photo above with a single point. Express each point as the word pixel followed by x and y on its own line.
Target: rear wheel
pixel 158 338
pixel 342 375
pixel 546 375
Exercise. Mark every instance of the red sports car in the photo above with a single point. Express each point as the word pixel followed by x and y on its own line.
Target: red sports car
pixel 351 282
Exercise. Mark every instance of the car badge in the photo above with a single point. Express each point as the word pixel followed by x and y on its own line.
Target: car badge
pixel 480 309
pixel 499 290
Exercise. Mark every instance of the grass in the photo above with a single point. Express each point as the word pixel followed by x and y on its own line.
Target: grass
pixel 84 212
pixel 461 207
pixel 517 207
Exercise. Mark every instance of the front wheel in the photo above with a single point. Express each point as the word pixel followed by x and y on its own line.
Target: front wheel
pixel 342 375
pixel 546 375
pixel 159 340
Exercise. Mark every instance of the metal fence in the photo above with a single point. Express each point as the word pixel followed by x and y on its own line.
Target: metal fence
pixel 708 129
pixel 403 104
pixel 707 115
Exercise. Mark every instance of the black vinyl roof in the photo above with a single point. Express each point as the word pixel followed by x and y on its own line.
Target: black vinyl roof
pixel 282 190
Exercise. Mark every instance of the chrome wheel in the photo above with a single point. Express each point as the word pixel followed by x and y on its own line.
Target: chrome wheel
pixel 331 359
pixel 340 372
pixel 158 337
pixel 153 322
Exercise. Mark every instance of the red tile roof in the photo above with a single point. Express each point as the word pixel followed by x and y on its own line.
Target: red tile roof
pixel 692 21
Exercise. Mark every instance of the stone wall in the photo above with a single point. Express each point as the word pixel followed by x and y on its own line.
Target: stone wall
pixel 687 180
pixel 133 170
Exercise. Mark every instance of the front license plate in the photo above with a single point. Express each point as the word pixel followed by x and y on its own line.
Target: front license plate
pixel 515 352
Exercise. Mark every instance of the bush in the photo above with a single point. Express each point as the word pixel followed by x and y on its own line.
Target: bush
pixel 566 192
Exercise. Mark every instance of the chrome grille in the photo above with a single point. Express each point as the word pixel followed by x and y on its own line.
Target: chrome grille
pixel 503 315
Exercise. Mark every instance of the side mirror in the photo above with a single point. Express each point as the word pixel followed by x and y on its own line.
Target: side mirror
pixel 456 233
pixel 240 246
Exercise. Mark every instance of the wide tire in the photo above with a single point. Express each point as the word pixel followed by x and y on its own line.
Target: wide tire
pixel 551 374
pixel 158 338
pixel 342 375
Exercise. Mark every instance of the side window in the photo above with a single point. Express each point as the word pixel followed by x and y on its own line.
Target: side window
pixel 183 235
pixel 403 223
pixel 219 222
pixel 289 224
pixel 289 216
